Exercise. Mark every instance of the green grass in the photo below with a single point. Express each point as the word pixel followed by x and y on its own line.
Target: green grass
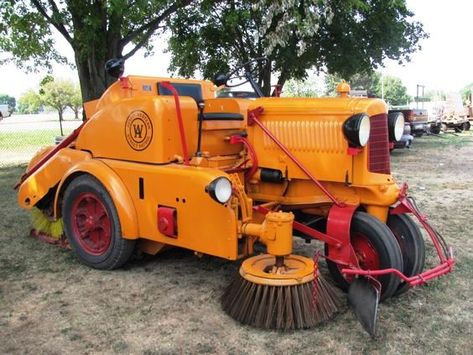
pixel 50 303
pixel 15 141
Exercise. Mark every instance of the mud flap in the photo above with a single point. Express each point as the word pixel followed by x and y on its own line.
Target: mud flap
pixel 363 297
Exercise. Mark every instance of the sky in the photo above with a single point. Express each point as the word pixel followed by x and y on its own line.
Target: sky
pixel 444 63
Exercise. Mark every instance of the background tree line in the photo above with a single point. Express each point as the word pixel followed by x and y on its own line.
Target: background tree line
pixel 342 37
pixel 58 94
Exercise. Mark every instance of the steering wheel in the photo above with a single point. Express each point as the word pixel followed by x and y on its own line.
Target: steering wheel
pixel 245 71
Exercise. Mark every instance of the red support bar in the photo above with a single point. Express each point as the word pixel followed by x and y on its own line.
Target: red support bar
pixel 405 205
pixel 415 280
pixel 65 142
pixel 253 117
pixel 182 132
pixel 447 260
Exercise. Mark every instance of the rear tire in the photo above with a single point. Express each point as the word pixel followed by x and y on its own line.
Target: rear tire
pixel 92 225
pixel 435 129
pixel 411 243
pixel 376 248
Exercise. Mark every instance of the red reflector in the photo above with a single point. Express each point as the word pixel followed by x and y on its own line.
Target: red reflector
pixel 167 221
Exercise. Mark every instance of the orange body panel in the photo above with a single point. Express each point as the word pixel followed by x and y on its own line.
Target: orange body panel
pixel 203 224
pixel 131 144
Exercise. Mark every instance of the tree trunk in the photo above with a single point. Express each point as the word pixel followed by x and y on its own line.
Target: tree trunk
pixel 280 84
pixel 92 76
pixel 267 79
pixel 60 121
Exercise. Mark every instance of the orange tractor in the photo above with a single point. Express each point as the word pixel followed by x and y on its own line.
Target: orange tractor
pixel 165 162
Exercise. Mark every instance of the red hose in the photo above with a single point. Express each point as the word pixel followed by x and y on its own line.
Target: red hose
pixel 182 132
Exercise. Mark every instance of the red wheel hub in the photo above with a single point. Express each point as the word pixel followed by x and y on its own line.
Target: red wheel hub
pixel 367 256
pixel 91 224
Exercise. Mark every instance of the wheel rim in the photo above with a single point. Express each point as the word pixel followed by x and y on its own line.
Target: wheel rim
pixel 91 224
pixel 366 254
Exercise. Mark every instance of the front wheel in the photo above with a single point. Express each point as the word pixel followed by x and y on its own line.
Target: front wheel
pixel 92 225
pixel 376 248
pixel 411 242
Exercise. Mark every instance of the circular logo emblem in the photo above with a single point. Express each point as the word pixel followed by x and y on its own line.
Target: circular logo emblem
pixel 138 130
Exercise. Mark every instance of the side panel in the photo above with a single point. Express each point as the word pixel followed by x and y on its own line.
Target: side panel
pixel 203 225
pixel 115 187
pixel 141 129
pixel 48 176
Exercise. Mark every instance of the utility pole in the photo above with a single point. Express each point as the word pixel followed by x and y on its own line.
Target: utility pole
pixel 417 96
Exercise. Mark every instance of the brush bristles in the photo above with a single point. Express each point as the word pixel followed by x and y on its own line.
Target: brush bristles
pixel 41 223
pixel 280 307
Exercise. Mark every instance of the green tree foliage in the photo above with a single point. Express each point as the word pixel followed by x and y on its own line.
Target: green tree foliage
pixel 97 30
pixel 376 85
pixel 309 87
pixel 76 101
pixel 29 102
pixel 395 93
pixel 436 95
pixel 467 93
pixel 58 94
pixel 343 36
pixel 8 100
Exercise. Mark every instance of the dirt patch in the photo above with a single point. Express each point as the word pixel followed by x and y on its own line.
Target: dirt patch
pixel 50 303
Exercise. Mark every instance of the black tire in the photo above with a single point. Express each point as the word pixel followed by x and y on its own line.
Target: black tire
pixel 94 234
pixel 466 126
pixel 380 238
pixel 459 128
pixel 411 243
pixel 435 129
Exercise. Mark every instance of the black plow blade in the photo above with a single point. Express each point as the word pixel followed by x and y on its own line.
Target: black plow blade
pixel 363 297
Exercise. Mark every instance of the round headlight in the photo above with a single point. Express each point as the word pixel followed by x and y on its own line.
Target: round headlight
pixel 357 130
pixel 396 126
pixel 220 189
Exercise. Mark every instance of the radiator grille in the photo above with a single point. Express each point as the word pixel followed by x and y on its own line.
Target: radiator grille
pixel 378 145
pixel 307 136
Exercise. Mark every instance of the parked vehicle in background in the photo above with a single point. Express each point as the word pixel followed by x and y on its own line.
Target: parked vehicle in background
pixel 418 120
pixel 4 111
pixel 407 138
pixel 451 114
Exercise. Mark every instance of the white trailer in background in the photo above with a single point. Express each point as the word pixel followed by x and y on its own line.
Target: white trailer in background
pixel 4 111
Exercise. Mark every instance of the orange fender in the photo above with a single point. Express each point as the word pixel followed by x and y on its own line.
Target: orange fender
pixel 115 187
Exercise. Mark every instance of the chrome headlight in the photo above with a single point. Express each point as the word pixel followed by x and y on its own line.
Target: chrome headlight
pixel 395 126
pixel 220 189
pixel 357 130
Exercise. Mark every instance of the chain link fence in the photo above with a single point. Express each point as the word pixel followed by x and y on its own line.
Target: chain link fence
pixel 21 136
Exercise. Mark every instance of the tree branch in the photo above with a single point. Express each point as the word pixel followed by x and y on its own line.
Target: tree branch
pixel 153 25
pixel 140 44
pixel 58 25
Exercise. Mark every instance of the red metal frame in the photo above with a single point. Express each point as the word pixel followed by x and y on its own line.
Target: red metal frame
pixel 340 215
pixel 68 140
pixel 182 132
pixel 447 260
